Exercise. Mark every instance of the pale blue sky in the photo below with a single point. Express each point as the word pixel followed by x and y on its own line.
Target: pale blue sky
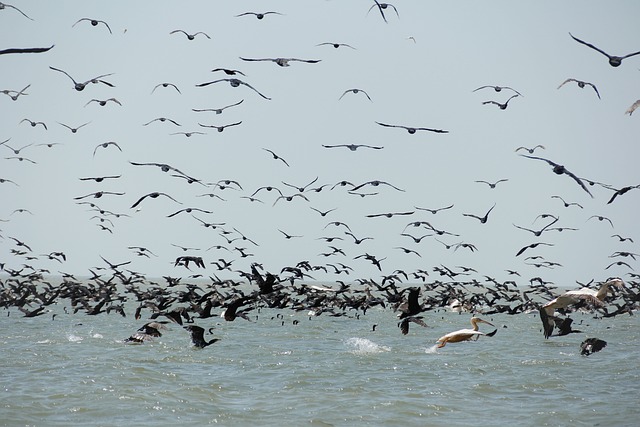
pixel 458 47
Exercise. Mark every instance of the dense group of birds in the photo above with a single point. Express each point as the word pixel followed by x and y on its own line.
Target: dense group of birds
pixel 214 288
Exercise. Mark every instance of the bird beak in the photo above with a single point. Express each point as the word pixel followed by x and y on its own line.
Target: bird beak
pixel 484 321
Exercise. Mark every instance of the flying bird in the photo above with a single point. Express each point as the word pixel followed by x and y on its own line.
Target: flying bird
pixel 216 110
pixel 335 45
pixel 353 147
pixel 283 62
pixel 532 246
pixel 258 15
pixel 190 36
pixel 465 334
pixel 74 129
pixel 222 127
pixel 26 50
pixel 197 336
pixel 276 157
pixel 34 124
pixel 382 7
pixel 633 107
pixel 561 170
pixel 105 145
pixel 355 91
pixel 94 22
pixel 581 85
pixel 233 83
pixel 530 150
pixel 375 183
pixel 413 130
pixel 503 106
pixel 4 6
pixel 162 119
pixel 482 219
pixel 622 191
pixel 497 88
pixel 103 102
pixel 79 86
pixel 166 85
pixel 493 184
pixel 153 195
pixel 614 61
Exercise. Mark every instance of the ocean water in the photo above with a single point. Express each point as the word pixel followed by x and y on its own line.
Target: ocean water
pixel 321 370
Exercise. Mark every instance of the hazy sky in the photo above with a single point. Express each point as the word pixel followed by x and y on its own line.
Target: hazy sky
pixel 420 70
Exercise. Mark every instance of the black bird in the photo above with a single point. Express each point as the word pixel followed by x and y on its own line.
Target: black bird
pixel 497 88
pixel 404 323
pixel 166 85
pixel 581 85
pixel 25 50
pixel 197 336
pixel 283 62
pixel 217 110
pixel 34 124
pixel 153 195
pixel 185 260
pixel 79 86
pixel 434 211
pixel 412 130
pixel 614 61
pixel 335 45
pixel 162 119
pixel 591 345
pixel 275 156
pixel 503 106
pixel 355 91
pixel 258 15
pixel 560 170
pixel 4 6
pixel 93 22
pixel 382 7
pixel 482 219
pixel 532 246
pixel 493 184
pixel 222 127
pixel 74 129
pixel 530 150
pixel 622 191
pixel 190 36
pixel 567 204
pixel 353 147
pixel 234 83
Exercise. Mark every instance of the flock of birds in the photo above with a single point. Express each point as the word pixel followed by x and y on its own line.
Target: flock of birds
pixel 462 289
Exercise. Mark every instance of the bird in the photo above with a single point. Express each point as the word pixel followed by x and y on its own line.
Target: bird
pixel 153 195
pixel 353 147
pixel 186 259
pixel 94 22
pixel 188 134
pixel 382 7
pixel 98 194
pixel 532 246
pixel 504 105
pixel 228 71
pixel 4 6
pixel 434 211
pixel 234 83
pixel 290 198
pixel 581 85
pixel 74 129
pixel 79 86
pixel 601 218
pixel 34 124
pixel 561 170
pixel 335 45
pixel 633 107
pixel 105 145
pixel 197 336
pixel 355 91
pixel 26 50
pixel 530 150
pixel 222 127
pixel 190 36
pixel 376 183
pixel 622 191
pixel 465 334
pixel 493 184
pixel 16 151
pixel 412 130
pixel 404 323
pixel 389 214
pixel 303 188
pixel 567 204
pixel 217 110
pixel 258 15
pixel 614 61
pixel 323 213
pixel 497 88
pixel 283 62
pixel 276 157
pixel 622 239
pixel 165 84
pixel 482 219
pixel 569 298
pixel 591 345
pixel 103 102
pixel 162 119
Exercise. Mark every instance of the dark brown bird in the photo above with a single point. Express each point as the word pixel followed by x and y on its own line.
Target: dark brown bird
pixel 190 36
pixel 503 106
pixel 591 345
pixel 197 336
pixel 614 61
pixel 482 219
pixel 497 88
pixel 79 86
pixel 581 85
pixel 561 170
pixel 413 130
pixel 153 195
pixel 258 15
pixel 283 62
pixel 234 83
pixel 94 22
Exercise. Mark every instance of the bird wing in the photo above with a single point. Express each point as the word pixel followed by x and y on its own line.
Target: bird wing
pixel 591 46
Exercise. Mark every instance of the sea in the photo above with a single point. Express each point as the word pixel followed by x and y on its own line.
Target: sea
pixel 286 367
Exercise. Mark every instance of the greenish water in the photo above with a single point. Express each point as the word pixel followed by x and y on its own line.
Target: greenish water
pixel 75 370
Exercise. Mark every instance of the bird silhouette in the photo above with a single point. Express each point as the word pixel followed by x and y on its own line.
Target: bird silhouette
pixel 614 61
pixel 94 22
pixel 197 336
pixel 561 170
pixel 190 36
pixel 581 85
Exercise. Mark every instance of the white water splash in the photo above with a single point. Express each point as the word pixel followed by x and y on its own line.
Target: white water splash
pixel 365 346
pixel 432 350
pixel 74 338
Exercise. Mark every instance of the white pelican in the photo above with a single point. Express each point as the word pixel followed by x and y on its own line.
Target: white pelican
pixel 595 298
pixel 465 334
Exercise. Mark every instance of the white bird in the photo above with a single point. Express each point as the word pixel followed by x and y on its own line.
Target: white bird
pixel 465 334
pixel 596 298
